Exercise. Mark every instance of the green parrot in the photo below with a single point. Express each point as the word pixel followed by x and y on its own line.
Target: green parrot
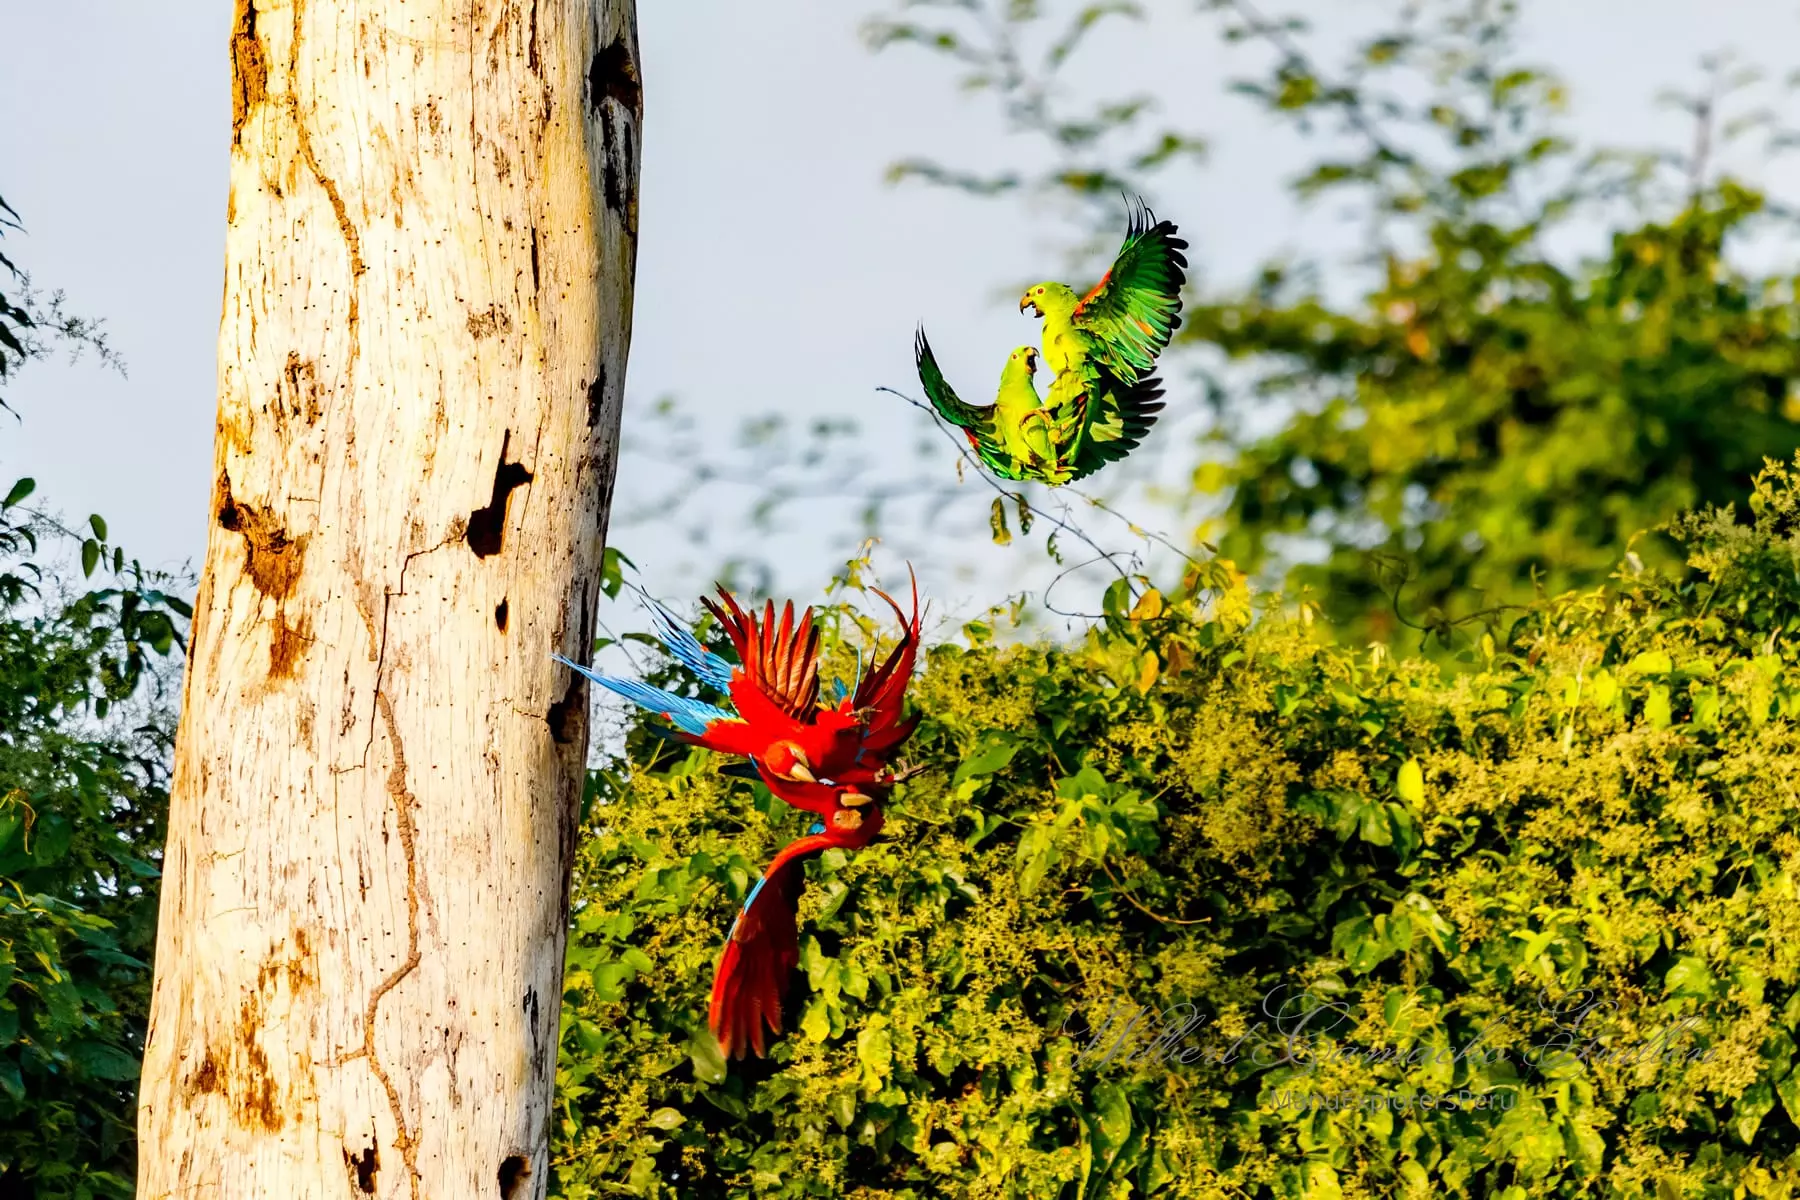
pixel 1101 346
pixel 1125 320
pixel 1012 436
pixel 1069 438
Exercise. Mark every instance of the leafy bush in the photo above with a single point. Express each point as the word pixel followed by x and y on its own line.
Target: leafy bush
pixel 83 792
pixel 84 752
pixel 1540 346
pixel 1556 879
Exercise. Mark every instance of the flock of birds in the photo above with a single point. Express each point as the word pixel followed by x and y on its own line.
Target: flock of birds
pixel 834 756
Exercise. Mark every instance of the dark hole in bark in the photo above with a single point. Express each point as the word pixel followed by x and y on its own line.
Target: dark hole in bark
pixel 512 1176
pixel 613 76
pixel 487 526
pixel 563 715
pixel 596 399
pixel 363 1167
pixel 500 615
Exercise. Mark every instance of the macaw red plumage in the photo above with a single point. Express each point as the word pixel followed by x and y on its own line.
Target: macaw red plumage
pixel 832 760
pixel 784 728
pixel 763 947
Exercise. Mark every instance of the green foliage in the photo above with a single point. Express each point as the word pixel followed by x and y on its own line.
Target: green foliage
pixel 86 720
pixel 85 723
pixel 84 744
pixel 1025 54
pixel 1583 829
pixel 1492 426
pixel 1540 349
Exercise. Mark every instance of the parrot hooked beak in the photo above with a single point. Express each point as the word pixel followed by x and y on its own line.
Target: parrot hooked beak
pixel 1027 303
pixel 797 768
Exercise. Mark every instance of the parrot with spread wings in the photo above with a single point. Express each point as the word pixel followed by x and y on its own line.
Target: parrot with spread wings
pixel 1101 345
pixel 831 760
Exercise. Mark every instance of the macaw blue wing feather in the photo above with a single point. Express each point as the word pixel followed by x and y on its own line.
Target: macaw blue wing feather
pixel 690 716
pixel 713 670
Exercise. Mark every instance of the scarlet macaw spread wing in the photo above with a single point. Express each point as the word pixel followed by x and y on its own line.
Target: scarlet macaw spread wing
pixel 761 953
pixel 1135 308
pixel 781 663
pixel 881 694
pixel 686 649
pixel 976 421
pixel 690 715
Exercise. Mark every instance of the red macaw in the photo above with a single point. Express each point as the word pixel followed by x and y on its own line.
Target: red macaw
pixel 830 760
pixel 764 945
pixel 783 727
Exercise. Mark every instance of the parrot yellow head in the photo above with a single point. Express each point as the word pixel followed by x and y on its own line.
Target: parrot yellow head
pixel 1049 299
pixel 1020 370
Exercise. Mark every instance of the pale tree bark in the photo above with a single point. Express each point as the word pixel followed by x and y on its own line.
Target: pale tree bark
pixel 429 261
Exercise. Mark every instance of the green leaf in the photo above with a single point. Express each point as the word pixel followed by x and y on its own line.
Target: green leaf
pixel 816 1024
pixel 707 1058
pixel 97 525
pixel 1037 853
pixel 103 1061
pixel 1689 976
pixel 875 1051
pixel 90 556
pixel 1656 707
pixel 612 574
pixel 20 490
pixel 1409 784
pixel 997 522
pixel 994 756
pixel 1585 1147
pixel 10 1080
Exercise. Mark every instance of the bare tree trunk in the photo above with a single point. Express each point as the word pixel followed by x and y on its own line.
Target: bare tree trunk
pixel 431 244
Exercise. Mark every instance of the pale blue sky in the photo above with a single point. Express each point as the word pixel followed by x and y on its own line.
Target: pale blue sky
pixel 766 224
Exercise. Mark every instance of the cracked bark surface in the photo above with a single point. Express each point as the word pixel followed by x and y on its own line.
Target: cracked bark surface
pixel 429 259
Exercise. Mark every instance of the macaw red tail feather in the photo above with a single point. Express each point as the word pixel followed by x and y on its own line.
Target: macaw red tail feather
pixel 764 946
pixel 760 955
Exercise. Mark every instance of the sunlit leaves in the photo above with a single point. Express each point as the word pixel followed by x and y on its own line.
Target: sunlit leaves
pixel 1436 853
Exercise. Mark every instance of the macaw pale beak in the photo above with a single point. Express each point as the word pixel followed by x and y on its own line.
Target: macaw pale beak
pixel 801 770
pixel 855 799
